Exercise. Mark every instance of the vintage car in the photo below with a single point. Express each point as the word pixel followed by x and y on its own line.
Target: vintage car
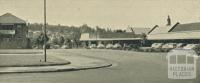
pixel 109 46
pixel 168 46
pixel 101 46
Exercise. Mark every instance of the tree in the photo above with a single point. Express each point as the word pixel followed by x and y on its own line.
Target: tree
pixel 40 40
pixel 61 40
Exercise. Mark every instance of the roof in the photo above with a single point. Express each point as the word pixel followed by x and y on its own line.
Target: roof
pixel 107 36
pixel 187 27
pixel 140 30
pixel 178 31
pixel 114 35
pixel 109 39
pixel 160 29
pixel 174 35
pixel 9 18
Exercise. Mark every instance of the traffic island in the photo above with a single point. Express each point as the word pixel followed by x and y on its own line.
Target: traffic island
pixel 29 60
pixel 34 63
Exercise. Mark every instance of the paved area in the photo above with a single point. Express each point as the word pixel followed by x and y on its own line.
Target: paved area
pixel 129 67
pixel 18 58
pixel 56 62
pixel 21 51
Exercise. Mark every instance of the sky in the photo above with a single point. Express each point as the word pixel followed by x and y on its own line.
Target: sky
pixel 115 14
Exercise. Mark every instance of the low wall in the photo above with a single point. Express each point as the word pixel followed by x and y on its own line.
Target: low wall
pixel 14 43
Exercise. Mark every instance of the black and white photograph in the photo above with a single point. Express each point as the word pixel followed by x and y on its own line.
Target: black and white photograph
pixel 99 41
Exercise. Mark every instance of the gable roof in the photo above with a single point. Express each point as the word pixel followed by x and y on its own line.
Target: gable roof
pixel 139 30
pixel 187 27
pixel 152 29
pixel 179 31
pixel 9 18
pixel 174 35
pixel 160 29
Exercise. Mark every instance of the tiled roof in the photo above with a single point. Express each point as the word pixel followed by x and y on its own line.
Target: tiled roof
pixel 187 27
pixel 9 18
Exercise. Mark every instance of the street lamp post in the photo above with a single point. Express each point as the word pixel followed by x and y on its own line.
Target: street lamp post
pixel 45 53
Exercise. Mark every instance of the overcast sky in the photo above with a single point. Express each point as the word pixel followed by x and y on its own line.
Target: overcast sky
pixel 105 13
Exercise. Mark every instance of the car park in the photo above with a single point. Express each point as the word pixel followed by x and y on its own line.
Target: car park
pixel 131 47
pixel 157 47
pixel 145 49
pixel 92 46
pixel 195 47
pixel 55 46
pixel 117 46
pixel 101 46
pixel 168 46
pixel 65 47
pixel 109 46
pixel 180 45
pixel 190 46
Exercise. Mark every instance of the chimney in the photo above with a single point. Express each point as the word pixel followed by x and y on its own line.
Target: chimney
pixel 168 21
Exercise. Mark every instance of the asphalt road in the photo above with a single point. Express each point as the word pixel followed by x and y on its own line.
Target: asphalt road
pixel 128 67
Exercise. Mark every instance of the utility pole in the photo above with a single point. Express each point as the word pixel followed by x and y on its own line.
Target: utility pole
pixel 45 52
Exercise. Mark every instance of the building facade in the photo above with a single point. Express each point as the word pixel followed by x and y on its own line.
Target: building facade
pixel 13 32
pixel 110 38
pixel 178 33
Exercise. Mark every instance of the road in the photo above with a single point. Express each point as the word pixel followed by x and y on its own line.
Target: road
pixel 128 67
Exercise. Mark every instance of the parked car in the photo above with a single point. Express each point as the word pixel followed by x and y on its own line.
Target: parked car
pixel 167 47
pixel 101 46
pixel 190 46
pixel 131 46
pixel 65 47
pixel 92 46
pixel 55 46
pixel 195 47
pixel 145 49
pixel 109 46
pixel 180 45
pixel 157 47
pixel 117 46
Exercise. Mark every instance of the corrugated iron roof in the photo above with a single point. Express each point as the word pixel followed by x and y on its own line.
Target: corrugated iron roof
pixel 107 36
pixel 187 27
pixel 161 29
pixel 178 31
pixel 139 30
pixel 115 35
pixel 9 18
pixel 109 39
pixel 175 35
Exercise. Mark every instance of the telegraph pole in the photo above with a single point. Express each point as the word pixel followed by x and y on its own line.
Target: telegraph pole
pixel 45 52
